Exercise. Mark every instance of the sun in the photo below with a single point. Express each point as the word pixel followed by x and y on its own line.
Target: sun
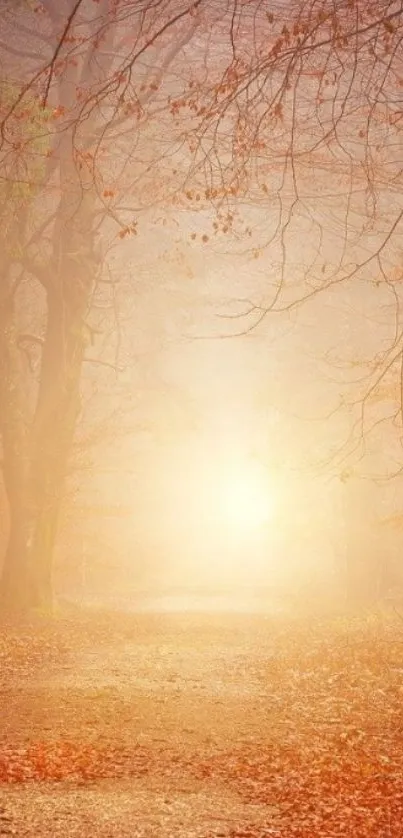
pixel 220 520
pixel 244 502
pixel 235 535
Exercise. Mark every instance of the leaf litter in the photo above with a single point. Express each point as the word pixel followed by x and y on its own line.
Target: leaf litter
pixel 238 726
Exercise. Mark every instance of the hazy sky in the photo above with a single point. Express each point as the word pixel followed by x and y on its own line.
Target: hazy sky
pixel 198 409
pixel 214 410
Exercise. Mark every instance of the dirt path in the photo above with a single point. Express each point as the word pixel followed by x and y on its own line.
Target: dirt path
pixel 201 726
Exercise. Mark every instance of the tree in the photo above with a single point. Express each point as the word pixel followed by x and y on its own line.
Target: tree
pixel 81 82
pixel 312 116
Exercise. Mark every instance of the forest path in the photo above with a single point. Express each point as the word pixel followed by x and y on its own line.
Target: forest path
pixel 200 725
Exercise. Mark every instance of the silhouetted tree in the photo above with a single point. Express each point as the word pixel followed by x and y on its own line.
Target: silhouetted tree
pixel 82 101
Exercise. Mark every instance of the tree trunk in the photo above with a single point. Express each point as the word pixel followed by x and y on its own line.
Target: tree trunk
pixel 15 581
pixel 36 451
pixel 35 463
pixel 16 588
pixel 55 422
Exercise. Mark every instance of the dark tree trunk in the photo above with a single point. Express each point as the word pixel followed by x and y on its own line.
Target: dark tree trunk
pixel 16 587
pixel 35 459
pixel 36 450
pixel 53 432
pixel 15 580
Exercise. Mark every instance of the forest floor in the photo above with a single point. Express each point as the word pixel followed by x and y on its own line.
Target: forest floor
pixel 200 726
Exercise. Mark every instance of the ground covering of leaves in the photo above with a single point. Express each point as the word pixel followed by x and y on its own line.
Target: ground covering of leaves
pixel 240 726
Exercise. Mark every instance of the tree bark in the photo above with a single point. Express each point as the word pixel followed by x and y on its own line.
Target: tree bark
pixel 55 422
pixel 35 458
pixel 15 580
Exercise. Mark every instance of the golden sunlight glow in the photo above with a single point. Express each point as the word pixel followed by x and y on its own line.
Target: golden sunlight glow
pixel 234 531
pixel 245 503
pixel 220 513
